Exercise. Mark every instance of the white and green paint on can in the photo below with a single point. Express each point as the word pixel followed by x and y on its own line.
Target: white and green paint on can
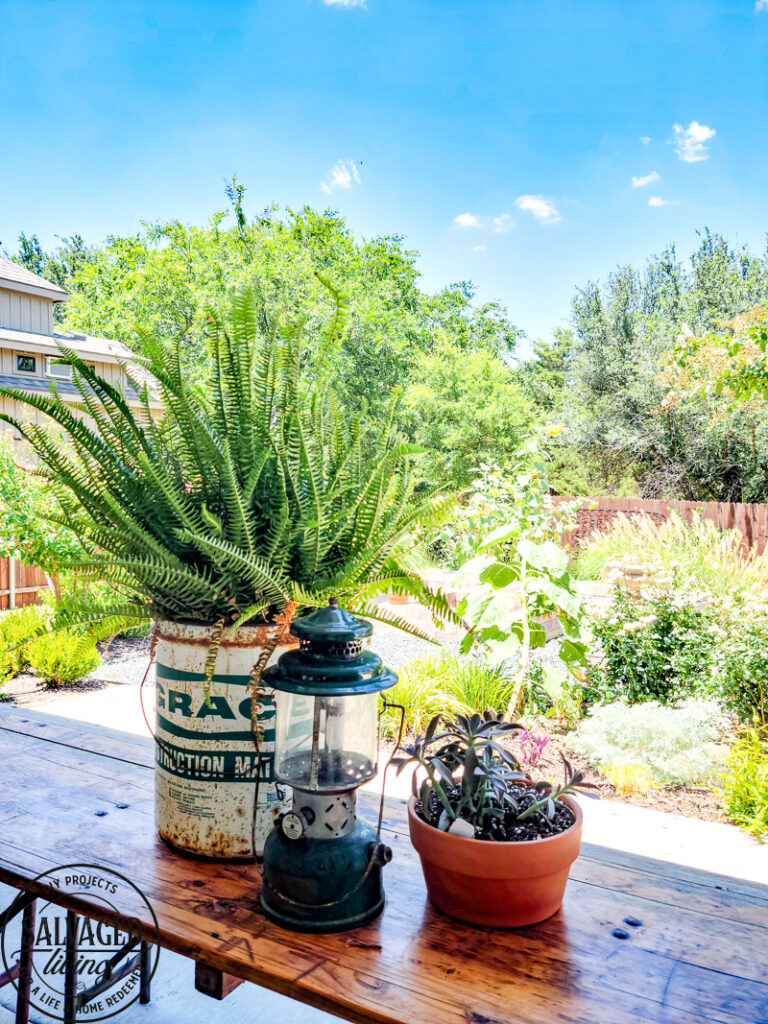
pixel 206 760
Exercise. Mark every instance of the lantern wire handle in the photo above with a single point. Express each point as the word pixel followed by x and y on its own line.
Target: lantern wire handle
pixel 372 859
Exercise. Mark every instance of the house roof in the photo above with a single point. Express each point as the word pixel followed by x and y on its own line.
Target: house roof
pixel 65 388
pixel 100 349
pixel 16 278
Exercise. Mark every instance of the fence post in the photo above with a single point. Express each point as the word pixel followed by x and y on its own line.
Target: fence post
pixel 11 582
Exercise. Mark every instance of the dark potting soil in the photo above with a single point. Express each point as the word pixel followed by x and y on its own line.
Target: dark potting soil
pixel 508 829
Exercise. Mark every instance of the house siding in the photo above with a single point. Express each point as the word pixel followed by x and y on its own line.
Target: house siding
pixel 23 312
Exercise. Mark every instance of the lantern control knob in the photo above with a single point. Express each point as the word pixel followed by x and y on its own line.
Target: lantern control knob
pixel 294 824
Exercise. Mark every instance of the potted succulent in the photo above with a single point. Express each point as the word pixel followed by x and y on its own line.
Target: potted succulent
pixel 495 847
pixel 234 496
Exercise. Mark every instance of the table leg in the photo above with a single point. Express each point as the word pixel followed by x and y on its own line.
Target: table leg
pixel 145 967
pixel 25 963
pixel 70 970
pixel 213 982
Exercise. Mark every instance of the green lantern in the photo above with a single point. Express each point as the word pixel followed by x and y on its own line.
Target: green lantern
pixel 322 865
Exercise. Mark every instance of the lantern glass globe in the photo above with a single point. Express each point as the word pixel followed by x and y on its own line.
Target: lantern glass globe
pixel 326 743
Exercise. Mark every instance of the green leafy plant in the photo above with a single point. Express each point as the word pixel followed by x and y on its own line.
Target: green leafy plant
pixel 473 785
pixel 235 495
pixel 538 698
pixel 63 657
pixel 660 648
pixel 514 494
pixel 448 685
pixel 17 628
pixel 742 667
pixel 27 530
pixel 520 577
pixel 745 782
pixel 680 746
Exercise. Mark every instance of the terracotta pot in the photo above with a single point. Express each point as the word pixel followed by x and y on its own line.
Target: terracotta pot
pixel 500 885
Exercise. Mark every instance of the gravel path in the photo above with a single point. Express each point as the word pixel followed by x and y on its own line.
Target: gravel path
pixel 125 661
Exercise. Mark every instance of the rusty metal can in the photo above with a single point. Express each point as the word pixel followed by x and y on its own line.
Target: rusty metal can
pixel 206 756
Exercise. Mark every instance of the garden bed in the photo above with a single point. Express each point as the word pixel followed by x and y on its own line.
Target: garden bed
pixel 694 802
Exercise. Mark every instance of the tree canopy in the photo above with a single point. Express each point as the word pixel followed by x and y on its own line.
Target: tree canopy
pixel 610 380
pixel 618 408
pixel 157 283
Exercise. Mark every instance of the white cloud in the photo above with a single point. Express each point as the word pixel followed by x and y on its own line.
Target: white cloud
pixel 503 223
pixel 658 201
pixel 646 180
pixel 761 5
pixel 691 141
pixel 344 3
pixel 344 175
pixel 467 220
pixel 645 139
pixel 543 209
pixel 478 248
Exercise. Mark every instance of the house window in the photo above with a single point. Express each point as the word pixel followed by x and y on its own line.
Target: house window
pixel 27 364
pixel 59 370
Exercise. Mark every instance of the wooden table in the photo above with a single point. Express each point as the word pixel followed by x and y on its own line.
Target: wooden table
pixel 700 954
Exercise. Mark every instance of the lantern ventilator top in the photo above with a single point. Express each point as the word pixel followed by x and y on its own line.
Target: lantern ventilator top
pixel 331 660
pixel 326 729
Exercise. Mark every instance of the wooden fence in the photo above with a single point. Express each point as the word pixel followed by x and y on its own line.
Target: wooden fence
pixel 20 583
pixel 597 513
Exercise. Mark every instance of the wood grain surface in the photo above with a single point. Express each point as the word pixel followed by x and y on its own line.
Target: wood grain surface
pixel 700 953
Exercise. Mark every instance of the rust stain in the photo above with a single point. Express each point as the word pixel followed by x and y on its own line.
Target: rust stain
pixel 195 634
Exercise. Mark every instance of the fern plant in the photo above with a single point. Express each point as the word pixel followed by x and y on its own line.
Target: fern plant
pixel 250 495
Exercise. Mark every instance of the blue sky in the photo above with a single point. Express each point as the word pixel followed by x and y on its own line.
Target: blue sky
pixel 527 121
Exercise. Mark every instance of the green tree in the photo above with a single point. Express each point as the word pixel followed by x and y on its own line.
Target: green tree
pixel 158 282
pixel 549 371
pixel 28 510
pixel 464 407
pixel 618 408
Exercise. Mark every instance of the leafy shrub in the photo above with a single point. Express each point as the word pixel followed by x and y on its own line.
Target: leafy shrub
pixel 745 782
pixel 63 657
pixel 6 669
pixel 659 649
pixel 16 628
pixel 743 669
pixel 449 686
pixel 697 552
pixel 561 700
pixel 516 496
pixel 520 577
pixel 680 746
